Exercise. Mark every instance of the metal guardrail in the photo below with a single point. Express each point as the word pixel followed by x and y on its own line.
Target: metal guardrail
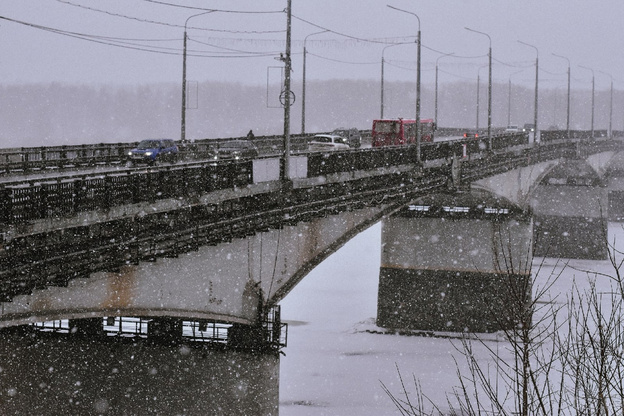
pixel 27 200
pixel 34 199
pixel 29 160
pixel 72 157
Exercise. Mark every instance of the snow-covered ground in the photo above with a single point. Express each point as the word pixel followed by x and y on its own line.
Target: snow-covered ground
pixel 333 367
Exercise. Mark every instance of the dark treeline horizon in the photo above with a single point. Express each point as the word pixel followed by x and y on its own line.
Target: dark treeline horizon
pixel 57 114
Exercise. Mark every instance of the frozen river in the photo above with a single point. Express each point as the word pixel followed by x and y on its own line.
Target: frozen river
pixel 333 367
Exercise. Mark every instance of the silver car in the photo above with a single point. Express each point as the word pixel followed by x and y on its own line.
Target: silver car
pixel 327 142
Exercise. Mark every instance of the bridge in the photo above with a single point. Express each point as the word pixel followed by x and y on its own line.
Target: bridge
pixel 181 263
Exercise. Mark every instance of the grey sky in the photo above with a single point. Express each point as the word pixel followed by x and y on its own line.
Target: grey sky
pixel 588 33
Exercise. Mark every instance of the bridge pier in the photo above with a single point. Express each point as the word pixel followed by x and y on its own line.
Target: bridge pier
pixel 570 209
pixel 615 178
pixel 80 367
pixel 455 263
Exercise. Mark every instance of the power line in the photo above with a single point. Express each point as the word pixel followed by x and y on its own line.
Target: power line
pixel 381 41
pixel 231 50
pixel 155 22
pixel 164 3
pixel 96 39
pixel 125 43
pixel 342 62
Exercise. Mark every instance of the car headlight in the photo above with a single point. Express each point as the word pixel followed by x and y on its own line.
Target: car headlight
pixel 130 153
pixel 148 153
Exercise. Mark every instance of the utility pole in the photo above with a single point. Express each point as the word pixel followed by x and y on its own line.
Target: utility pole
pixel 592 100
pixel 303 93
pixel 478 88
pixel 568 111
pixel 536 90
pixel 418 43
pixel 489 86
pixel 285 169
pixel 435 118
pixel 183 116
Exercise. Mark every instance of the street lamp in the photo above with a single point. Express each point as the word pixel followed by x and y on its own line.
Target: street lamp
pixel 418 42
pixel 536 83
pixel 489 85
pixel 592 102
pixel 610 106
pixel 509 97
pixel 568 117
pixel 478 95
pixel 303 93
pixel 382 74
pixel 183 118
pixel 435 118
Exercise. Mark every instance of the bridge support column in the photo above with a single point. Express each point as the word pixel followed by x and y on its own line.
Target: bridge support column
pixel 570 213
pixel 455 264
pixel 55 373
pixel 615 177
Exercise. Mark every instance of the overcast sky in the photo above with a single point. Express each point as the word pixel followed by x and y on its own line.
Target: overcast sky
pixel 141 41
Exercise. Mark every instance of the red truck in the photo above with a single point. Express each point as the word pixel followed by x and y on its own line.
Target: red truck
pixel 401 131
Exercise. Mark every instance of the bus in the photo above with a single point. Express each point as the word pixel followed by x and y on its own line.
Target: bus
pixel 401 131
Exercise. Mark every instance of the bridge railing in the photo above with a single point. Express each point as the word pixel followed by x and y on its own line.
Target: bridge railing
pixel 28 159
pixel 33 159
pixel 26 200
pixel 551 135
pixel 70 157
pixel 64 196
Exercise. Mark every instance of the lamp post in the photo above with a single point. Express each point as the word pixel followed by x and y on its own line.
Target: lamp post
pixel 478 96
pixel 489 85
pixel 536 91
pixel 303 92
pixel 568 112
pixel 435 118
pixel 418 43
pixel 509 97
pixel 592 101
pixel 382 75
pixel 183 117
pixel 610 133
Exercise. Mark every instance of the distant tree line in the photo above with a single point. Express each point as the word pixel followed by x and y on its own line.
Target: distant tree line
pixel 54 114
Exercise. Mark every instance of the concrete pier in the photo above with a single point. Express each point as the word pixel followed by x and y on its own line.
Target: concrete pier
pixel 80 373
pixel 570 208
pixel 455 263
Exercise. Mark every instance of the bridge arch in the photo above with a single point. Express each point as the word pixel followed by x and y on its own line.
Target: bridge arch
pixel 520 184
pixel 228 282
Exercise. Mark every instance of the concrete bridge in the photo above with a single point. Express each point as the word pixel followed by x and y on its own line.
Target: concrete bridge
pixel 177 259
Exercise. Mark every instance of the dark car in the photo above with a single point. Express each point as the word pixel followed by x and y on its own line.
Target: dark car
pixel 235 149
pixel 471 135
pixel 529 128
pixel 154 150
pixel 352 136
